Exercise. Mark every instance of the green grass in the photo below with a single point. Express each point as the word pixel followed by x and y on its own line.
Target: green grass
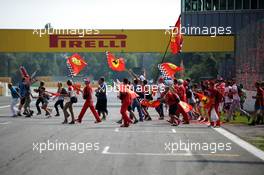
pixel 239 119
pixel 257 141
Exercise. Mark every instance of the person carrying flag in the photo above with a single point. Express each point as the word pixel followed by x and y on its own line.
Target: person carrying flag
pixel 87 95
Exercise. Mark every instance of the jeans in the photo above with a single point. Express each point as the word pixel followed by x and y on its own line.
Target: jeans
pixel 160 110
pixel 58 102
pixel 136 104
pixel 39 100
pixel 13 107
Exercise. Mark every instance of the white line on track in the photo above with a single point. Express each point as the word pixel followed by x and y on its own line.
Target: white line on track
pixel 173 131
pixel 250 148
pixel 105 151
pixel 188 151
pixel 6 106
pixel 4 123
pixel 187 154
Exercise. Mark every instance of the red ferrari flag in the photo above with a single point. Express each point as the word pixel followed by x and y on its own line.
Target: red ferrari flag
pixel 76 63
pixel 152 104
pixel 206 101
pixel 116 64
pixel 185 106
pixel 176 38
pixel 169 69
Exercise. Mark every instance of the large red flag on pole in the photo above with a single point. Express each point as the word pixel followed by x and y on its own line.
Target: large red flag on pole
pixel 116 64
pixel 169 69
pixel 76 63
pixel 176 38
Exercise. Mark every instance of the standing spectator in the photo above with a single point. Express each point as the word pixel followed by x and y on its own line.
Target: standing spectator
pixel 242 94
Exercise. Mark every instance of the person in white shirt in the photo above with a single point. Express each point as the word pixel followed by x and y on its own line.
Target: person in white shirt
pixel 235 106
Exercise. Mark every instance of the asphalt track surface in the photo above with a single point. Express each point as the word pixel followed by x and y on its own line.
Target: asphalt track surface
pixel 144 148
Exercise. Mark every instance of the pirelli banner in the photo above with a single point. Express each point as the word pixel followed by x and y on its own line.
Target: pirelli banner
pixel 106 40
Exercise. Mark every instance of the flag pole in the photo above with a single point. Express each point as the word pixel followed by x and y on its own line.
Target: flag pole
pixel 163 58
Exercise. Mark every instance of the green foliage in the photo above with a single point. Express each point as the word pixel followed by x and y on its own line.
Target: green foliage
pixel 54 64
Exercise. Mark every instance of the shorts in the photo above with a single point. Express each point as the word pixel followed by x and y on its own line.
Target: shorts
pixel 27 102
pixel 172 109
pixel 45 101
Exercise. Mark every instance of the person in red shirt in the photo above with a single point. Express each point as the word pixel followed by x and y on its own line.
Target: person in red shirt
pixel 259 104
pixel 175 85
pixel 215 98
pixel 181 90
pixel 126 101
pixel 172 100
pixel 87 95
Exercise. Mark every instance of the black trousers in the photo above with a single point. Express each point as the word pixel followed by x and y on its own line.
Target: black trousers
pixel 58 103
pixel 39 100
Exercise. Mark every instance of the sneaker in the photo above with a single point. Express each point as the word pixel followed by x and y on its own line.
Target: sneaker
pixel 39 113
pixel 57 115
pixel 136 121
pixel 19 114
pixel 64 122
pixel 174 124
pixel 78 121
pixel 119 121
pixel 252 124
pixel 148 119
pixel 72 122
pixel 124 125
